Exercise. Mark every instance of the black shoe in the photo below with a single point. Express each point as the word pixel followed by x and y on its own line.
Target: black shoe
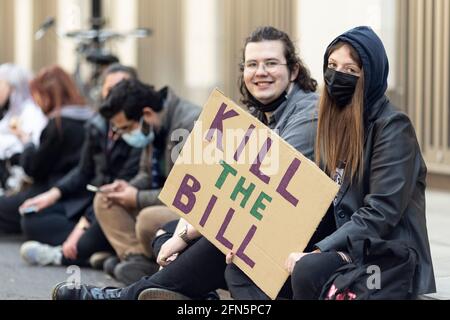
pixel 69 291
pixel 110 264
pixel 133 268
pixel 97 260
pixel 161 294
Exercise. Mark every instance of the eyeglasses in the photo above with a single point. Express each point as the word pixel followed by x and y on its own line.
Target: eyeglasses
pixel 124 129
pixel 269 65
pixel 144 127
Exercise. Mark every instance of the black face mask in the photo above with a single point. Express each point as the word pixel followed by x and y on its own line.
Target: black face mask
pixel 270 107
pixel 4 109
pixel 340 86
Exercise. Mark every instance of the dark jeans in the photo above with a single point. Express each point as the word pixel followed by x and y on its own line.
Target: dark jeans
pixel 309 275
pixel 195 273
pixel 51 226
pixel 9 208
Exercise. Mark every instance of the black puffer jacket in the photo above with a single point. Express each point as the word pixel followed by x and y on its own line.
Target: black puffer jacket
pixel 389 201
pixel 100 164
pixel 59 148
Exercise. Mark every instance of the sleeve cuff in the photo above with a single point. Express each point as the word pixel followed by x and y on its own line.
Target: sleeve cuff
pixel 147 198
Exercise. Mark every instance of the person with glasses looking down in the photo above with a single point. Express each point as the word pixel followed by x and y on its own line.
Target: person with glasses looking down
pixel 130 213
pixel 277 89
pixel 65 231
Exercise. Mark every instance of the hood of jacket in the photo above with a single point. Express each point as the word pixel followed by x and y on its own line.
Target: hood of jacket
pixel 374 62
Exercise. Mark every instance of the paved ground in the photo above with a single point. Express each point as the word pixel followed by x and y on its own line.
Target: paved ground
pixel 20 281
pixel 438 216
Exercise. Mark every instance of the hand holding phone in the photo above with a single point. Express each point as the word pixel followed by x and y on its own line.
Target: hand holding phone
pixel 92 188
pixel 28 210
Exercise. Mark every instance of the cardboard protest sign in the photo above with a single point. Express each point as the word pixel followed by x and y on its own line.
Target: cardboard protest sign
pixel 247 191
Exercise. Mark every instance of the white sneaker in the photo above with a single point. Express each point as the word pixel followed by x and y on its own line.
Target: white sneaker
pixel 36 253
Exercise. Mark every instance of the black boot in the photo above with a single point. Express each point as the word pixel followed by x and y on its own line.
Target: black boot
pixel 69 291
pixel 110 264
pixel 133 268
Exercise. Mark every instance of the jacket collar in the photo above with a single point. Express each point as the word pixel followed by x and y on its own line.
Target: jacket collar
pixel 282 108
pixel 171 101
pixel 75 112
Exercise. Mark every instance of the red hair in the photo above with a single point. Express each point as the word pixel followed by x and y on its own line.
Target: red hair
pixel 55 89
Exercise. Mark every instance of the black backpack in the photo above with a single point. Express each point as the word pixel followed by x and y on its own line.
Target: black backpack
pixel 380 269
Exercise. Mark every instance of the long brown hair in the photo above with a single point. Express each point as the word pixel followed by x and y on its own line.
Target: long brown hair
pixel 340 131
pixel 55 89
pixel 268 33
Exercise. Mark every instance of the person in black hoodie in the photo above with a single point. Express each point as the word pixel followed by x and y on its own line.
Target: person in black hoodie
pixel 67 215
pixel 370 149
pixel 58 150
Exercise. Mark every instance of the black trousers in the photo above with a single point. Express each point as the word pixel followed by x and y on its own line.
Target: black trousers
pixel 241 287
pixel 92 241
pixel 195 273
pixel 9 208
pixel 312 272
pixel 169 228
pixel 309 276
pixel 51 226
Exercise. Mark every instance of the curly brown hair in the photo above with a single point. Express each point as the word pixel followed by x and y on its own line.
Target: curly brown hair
pixel 269 33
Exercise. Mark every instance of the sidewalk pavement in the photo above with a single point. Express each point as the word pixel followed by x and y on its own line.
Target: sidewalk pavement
pixel 438 223
pixel 20 281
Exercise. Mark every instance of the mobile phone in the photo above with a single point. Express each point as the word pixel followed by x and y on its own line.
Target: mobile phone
pixel 28 210
pixel 92 188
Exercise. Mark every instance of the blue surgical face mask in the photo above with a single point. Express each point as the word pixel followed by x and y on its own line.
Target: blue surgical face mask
pixel 137 138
